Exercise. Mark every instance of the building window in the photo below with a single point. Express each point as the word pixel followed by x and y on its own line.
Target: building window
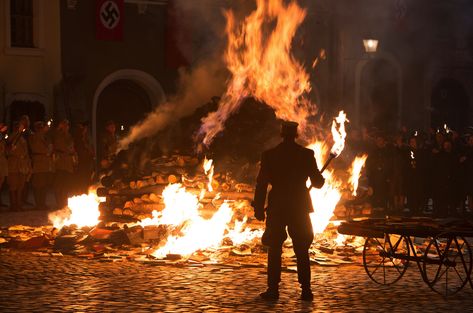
pixel 21 23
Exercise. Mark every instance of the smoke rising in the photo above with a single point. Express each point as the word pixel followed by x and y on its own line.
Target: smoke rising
pixel 196 87
pixel 201 40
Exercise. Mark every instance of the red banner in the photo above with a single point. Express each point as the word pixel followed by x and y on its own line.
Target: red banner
pixel 178 40
pixel 109 19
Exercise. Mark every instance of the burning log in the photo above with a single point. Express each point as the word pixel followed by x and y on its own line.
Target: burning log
pixel 140 197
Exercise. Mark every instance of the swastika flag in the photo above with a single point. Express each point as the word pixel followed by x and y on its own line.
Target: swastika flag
pixel 109 19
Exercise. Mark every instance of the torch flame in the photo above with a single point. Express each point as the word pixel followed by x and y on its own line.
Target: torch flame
pixel 356 168
pixel 324 200
pixel 446 128
pixel 339 134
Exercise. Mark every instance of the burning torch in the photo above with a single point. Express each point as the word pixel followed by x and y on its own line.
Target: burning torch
pixel 339 134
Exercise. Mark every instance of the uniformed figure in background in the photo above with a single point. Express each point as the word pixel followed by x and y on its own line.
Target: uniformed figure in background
pixel 286 168
pixel 85 158
pixel 26 133
pixel 64 156
pixel 379 166
pixel 19 166
pixel 42 161
pixel 3 158
pixel 444 164
pixel 108 145
pixel 415 178
pixel 469 171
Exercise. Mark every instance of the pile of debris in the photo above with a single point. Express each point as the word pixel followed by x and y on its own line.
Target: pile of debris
pixel 118 242
pixel 136 199
pixel 126 203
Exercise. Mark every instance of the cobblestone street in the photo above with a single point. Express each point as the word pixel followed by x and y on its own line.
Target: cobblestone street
pixel 31 283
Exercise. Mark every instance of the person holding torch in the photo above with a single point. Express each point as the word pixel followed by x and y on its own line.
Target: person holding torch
pixel 286 168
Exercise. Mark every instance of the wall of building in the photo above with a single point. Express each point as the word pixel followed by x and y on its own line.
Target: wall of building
pixel 88 61
pixel 91 65
pixel 426 42
pixel 31 73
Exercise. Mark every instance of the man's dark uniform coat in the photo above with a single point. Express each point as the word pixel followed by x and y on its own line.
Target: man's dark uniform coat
pixel 286 168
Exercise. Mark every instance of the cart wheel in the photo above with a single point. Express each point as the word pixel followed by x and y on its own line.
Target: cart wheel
pixel 447 264
pixel 386 259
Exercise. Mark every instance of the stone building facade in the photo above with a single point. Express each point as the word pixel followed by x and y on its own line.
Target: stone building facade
pixel 118 80
pixel 422 71
pixel 30 58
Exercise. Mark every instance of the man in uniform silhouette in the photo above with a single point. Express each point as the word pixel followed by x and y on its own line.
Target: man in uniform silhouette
pixel 287 167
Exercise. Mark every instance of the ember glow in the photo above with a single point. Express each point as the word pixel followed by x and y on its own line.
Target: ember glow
pixel 356 168
pixel 81 210
pixel 262 66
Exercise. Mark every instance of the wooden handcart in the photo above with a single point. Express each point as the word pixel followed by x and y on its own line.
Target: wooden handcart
pixel 439 248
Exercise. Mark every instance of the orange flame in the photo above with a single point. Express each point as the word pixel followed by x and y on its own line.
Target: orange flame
pixel 181 213
pixel 198 234
pixel 209 171
pixel 182 209
pixel 339 134
pixel 179 207
pixel 263 67
pixel 241 233
pixel 81 210
pixel 324 200
pixel 356 168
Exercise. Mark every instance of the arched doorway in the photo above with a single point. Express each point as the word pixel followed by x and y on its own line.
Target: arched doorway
pixel 124 102
pixel 449 104
pixel 379 97
pixel 124 96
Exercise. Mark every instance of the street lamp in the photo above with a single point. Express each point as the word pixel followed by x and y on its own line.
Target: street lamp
pixel 371 45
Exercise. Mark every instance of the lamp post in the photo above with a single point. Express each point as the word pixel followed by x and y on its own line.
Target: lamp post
pixel 371 45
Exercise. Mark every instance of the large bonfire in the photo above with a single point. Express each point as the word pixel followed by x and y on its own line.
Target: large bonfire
pixel 263 67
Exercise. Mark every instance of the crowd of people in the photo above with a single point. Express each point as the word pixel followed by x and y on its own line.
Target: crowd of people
pixel 50 158
pixel 418 173
pixel 414 173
